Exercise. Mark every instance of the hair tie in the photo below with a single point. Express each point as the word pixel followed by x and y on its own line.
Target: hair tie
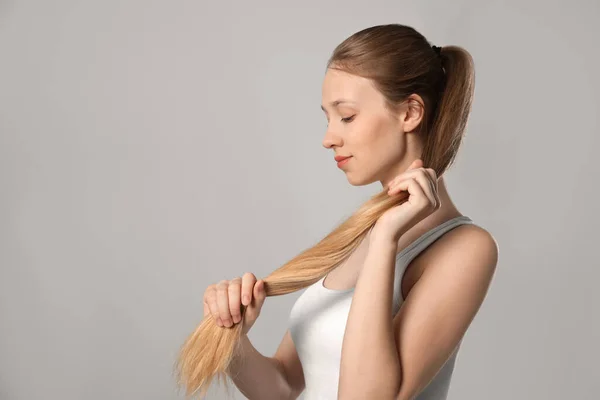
pixel 437 49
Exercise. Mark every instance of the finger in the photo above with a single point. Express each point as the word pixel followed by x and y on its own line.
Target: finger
pixel 234 293
pixel 259 294
pixel 424 180
pixel 206 309
pixel 414 166
pixel 423 177
pixel 211 299
pixel 205 301
pixel 434 183
pixel 223 303
pixel 418 163
pixel 401 177
pixel 411 186
pixel 432 173
pixel 248 281
pixel 406 174
pixel 413 173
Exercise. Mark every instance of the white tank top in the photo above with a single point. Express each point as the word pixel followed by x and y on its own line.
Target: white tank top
pixel 318 319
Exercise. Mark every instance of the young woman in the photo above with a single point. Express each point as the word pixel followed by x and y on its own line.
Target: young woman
pixel 391 292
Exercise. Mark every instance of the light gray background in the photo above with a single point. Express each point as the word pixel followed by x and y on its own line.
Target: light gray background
pixel 150 148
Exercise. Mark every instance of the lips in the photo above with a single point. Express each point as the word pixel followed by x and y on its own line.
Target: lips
pixel 341 158
pixel 345 160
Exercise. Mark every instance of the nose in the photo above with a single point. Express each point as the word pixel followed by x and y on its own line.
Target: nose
pixel 332 139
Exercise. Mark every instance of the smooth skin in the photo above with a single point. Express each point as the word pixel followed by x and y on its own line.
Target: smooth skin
pixel 223 301
pixel 382 148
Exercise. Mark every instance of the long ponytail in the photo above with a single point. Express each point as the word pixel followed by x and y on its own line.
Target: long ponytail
pixel 400 61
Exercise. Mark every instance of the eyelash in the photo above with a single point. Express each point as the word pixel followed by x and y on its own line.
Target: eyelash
pixel 346 120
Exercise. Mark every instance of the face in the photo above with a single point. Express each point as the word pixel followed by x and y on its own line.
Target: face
pixel 359 126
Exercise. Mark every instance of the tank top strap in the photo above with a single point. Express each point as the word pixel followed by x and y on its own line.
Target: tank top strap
pixel 421 243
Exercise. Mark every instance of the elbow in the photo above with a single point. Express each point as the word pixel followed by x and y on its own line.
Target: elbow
pixel 383 385
pixel 291 393
pixel 406 392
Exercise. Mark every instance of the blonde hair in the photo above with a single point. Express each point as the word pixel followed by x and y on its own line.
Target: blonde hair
pixel 399 61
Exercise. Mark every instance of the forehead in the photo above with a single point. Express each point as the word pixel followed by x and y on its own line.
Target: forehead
pixel 340 85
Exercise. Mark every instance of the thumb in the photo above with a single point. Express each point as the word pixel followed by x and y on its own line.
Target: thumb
pixel 259 292
pixel 418 163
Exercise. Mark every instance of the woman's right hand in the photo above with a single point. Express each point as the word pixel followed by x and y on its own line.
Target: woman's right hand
pixel 224 300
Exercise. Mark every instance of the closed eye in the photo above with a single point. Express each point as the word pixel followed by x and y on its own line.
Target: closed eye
pixel 349 119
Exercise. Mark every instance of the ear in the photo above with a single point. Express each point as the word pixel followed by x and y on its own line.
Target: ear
pixel 413 112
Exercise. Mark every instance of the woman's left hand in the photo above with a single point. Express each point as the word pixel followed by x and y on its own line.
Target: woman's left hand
pixel 423 200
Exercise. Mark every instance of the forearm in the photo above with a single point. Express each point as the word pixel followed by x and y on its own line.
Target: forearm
pixel 258 377
pixel 370 367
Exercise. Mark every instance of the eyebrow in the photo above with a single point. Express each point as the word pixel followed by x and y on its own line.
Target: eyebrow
pixel 338 102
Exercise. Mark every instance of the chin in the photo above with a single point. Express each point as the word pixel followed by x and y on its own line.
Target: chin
pixel 358 180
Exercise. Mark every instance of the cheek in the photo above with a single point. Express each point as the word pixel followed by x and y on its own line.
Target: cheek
pixel 369 133
pixel 376 141
pixel 376 152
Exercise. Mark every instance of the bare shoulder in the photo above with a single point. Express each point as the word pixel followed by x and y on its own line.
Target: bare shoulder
pixel 466 246
pixel 468 243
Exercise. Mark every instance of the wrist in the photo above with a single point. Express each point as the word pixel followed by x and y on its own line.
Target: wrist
pixel 383 240
pixel 384 236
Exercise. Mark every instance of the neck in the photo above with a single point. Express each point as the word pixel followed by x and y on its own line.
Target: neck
pixel 448 206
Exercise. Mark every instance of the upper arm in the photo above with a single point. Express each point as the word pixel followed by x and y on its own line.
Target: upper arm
pixel 288 358
pixel 441 304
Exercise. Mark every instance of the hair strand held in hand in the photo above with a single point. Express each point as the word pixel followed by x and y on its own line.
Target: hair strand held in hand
pixel 400 61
